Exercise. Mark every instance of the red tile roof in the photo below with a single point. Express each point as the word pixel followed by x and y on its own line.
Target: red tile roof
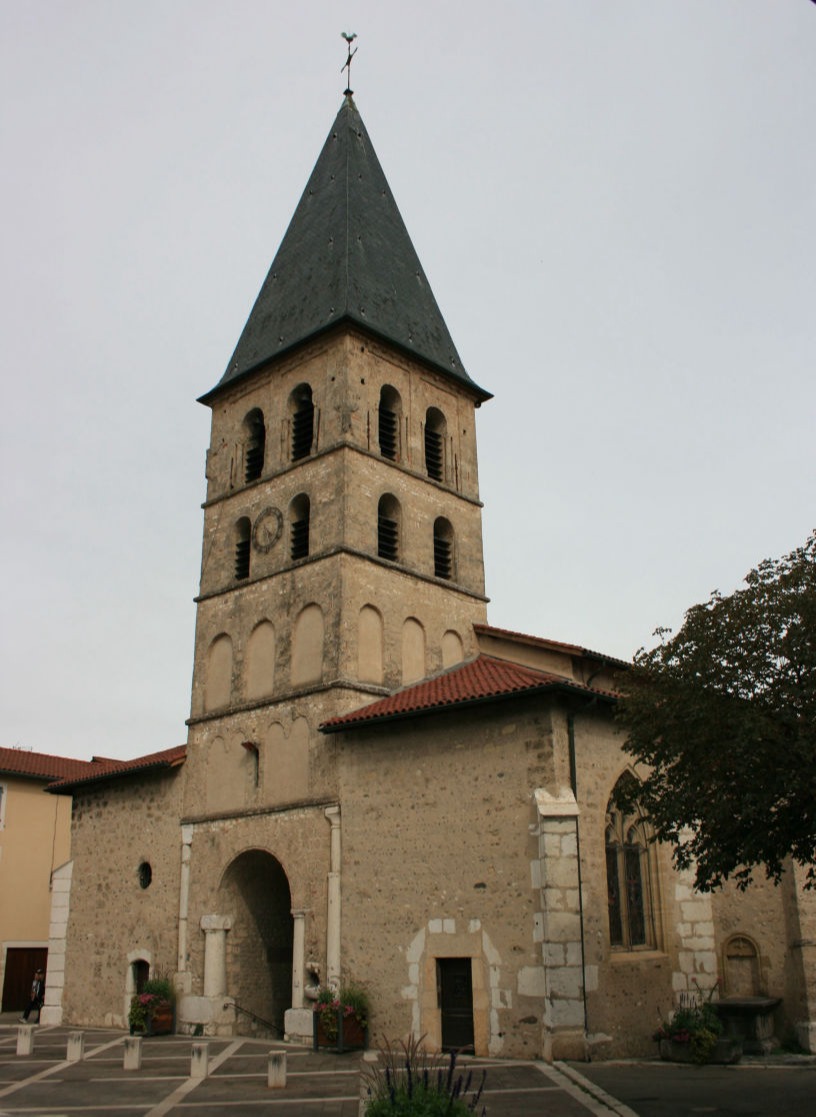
pixel 542 642
pixel 40 765
pixel 482 679
pixel 101 769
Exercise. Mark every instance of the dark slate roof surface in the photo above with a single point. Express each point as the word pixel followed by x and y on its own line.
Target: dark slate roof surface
pixel 346 256
pixel 478 680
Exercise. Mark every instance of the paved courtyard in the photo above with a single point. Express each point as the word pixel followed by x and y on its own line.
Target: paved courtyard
pixel 45 1084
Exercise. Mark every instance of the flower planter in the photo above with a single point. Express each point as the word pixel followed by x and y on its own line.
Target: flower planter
pixel 348 1034
pixel 160 1021
pixel 726 1051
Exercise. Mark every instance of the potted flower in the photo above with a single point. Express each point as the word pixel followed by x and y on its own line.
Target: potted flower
pixel 152 1011
pixel 693 1034
pixel 341 1017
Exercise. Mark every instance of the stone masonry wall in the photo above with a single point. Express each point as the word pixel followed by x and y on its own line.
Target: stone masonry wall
pixel 116 827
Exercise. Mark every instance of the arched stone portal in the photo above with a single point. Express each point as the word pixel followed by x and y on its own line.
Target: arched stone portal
pixel 255 890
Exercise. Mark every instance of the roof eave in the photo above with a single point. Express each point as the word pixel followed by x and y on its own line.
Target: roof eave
pixel 425 711
pixel 463 382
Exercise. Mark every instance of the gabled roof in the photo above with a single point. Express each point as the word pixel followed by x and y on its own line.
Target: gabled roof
pixel 41 765
pixel 118 769
pixel 346 256
pixel 480 680
pixel 547 645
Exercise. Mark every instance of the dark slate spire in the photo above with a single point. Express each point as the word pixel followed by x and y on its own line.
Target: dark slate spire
pixel 347 256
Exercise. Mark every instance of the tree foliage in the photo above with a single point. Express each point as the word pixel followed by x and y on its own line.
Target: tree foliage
pixel 722 718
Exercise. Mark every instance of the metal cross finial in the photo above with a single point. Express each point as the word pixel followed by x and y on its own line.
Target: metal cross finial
pixel 349 37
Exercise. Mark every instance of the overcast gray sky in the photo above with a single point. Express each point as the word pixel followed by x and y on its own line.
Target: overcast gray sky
pixel 613 202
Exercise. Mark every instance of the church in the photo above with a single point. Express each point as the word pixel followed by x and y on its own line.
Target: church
pixel 378 787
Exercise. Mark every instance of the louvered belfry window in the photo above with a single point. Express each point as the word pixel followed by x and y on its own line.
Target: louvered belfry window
pixel 388 528
pixel 443 549
pixel 255 445
pixel 389 422
pixel 434 444
pixel 388 434
pixel 302 423
pixel 299 527
pixel 242 546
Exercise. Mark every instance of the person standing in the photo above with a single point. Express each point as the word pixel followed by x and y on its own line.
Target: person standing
pixel 37 995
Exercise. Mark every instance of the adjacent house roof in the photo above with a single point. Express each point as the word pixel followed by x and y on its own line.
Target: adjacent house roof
pixel 102 769
pixel 480 680
pixel 346 256
pixel 40 765
pixel 548 645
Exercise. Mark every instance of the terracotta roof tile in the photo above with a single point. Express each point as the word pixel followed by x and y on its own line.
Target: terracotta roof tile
pixel 41 765
pixel 101 769
pixel 478 680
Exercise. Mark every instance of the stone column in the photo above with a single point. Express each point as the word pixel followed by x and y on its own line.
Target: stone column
pixel 333 922
pixel 298 956
pixel 184 897
pixel 800 962
pixel 297 1020
pixel 215 929
pixel 561 981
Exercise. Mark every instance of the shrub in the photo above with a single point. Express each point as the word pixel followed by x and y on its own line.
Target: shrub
pixel 413 1082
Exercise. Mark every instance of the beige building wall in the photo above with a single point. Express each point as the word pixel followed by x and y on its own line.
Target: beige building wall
pixel 35 839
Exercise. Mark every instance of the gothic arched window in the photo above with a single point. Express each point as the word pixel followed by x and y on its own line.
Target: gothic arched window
pixel 629 877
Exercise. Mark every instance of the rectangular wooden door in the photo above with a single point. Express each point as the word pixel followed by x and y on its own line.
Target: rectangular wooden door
pixel 21 962
pixel 455 988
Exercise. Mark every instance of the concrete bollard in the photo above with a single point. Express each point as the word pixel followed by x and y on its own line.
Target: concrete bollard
pixel 76 1047
pixel 200 1060
pixel 276 1070
pixel 133 1053
pixel 25 1039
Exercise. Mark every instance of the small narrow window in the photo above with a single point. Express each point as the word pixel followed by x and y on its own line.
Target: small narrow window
pixel 435 427
pixel 145 874
pixel 388 528
pixel 255 445
pixel 443 548
pixel 243 533
pixel 299 511
pixel 302 411
pixel 389 422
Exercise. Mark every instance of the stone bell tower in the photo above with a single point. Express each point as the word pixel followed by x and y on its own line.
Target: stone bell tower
pixel 342 527
pixel 342 553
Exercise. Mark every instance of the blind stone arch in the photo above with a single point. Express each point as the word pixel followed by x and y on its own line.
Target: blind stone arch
pixel 307 646
pixel 260 660
pixel 452 648
pixel 370 641
pixel 218 685
pixel 413 651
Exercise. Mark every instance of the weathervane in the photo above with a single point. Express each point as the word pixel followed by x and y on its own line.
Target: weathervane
pixel 349 40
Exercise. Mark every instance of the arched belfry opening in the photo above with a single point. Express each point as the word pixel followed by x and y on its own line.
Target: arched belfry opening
pixel 255 891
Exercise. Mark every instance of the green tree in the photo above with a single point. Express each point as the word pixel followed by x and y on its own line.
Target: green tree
pixel 722 718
